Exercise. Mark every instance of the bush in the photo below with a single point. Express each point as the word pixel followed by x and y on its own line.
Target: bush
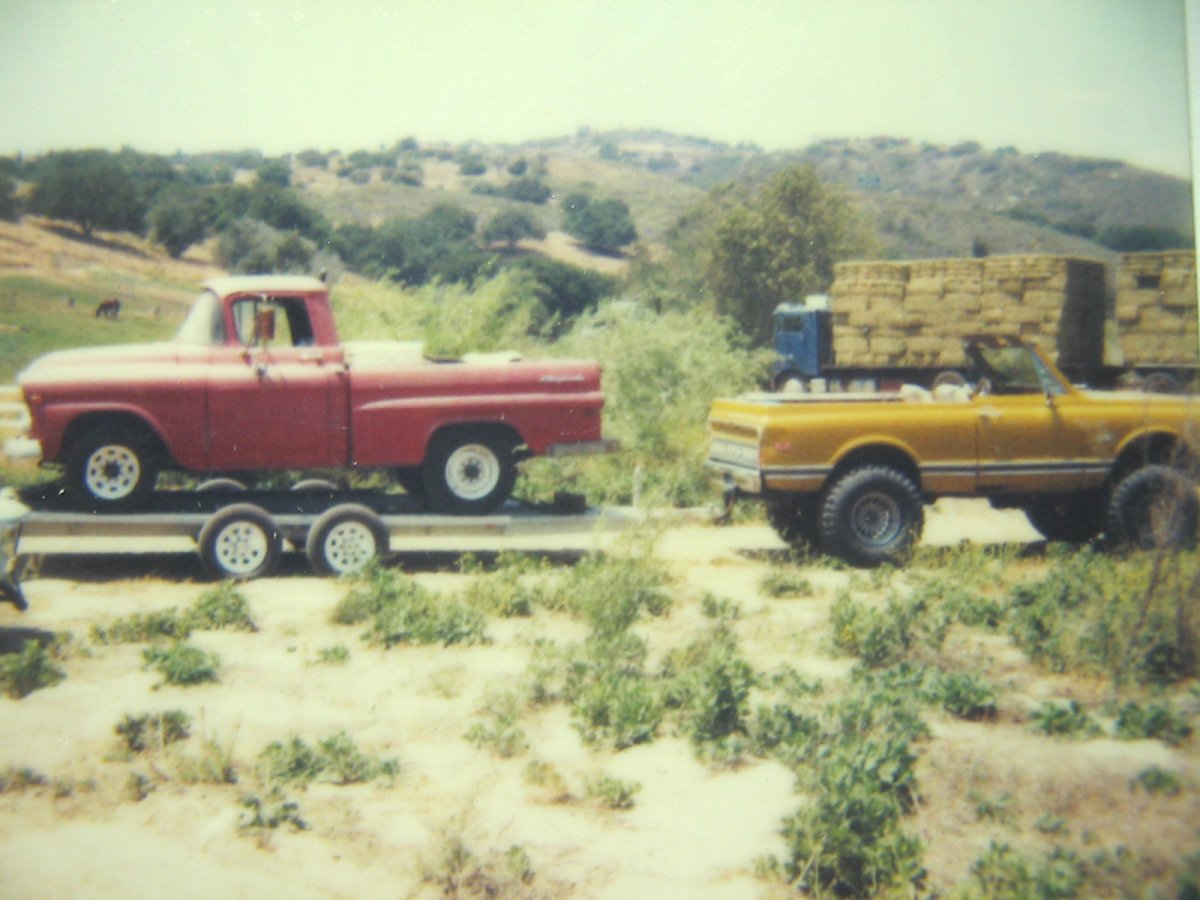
pixel 402 612
pixel 1068 721
pixel 1157 721
pixel 710 685
pixel 183 664
pixel 30 670
pixel 223 607
pixel 153 731
pixel 612 792
pixel 1133 619
pixel 1004 872
pixel 335 759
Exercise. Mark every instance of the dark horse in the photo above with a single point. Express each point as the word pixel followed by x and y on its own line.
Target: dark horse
pixel 108 309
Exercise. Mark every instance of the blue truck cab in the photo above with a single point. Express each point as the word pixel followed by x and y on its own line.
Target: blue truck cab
pixel 803 340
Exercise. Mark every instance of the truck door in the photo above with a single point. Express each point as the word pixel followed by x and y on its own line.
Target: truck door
pixel 277 401
pixel 1027 440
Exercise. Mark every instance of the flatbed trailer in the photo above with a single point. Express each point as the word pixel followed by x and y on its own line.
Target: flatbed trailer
pixel 243 534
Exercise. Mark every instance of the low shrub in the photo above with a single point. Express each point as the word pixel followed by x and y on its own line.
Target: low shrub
pixel 182 663
pixel 501 733
pixel 1066 721
pixel 612 792
pixel 1157 721
pixel 1157 780
pixel 30 670
pixel 221 608
pixel 153 731
pixel 335 759
pixel 400 611
pixel 276 810
pixel 709 685
pixel 1004 872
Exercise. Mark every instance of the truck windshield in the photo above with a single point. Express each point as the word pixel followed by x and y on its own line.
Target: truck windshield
pixel 204 324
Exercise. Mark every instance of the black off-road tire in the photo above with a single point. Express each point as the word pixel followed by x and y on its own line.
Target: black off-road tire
pixel 871 516
pixel 111 469
pixel 1070 518
pixel 1153 508
pixel 345 540
pixel 468 472
pixel 240 542
pixel 795 522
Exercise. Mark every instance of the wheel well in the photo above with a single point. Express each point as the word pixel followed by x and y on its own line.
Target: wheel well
pixel 481 430
pixel 1153 449
pixel 116 421
pixel 878 455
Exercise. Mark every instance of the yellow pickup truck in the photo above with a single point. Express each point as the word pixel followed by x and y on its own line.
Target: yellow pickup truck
pixel 850 473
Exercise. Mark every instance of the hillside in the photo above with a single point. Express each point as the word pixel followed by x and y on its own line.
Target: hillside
pixel 925 200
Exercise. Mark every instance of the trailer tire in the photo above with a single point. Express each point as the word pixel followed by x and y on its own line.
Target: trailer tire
pixel 468 472
pixel 344 540
pixel 1153 508
pixel 240 542
pixel 110 468
pixel 221 486
pixel 871 515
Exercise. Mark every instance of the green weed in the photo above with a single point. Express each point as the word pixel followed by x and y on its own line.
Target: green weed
pixel 709 685
pixel 612 792
pixel 182 663
pixel 17 780
pixel 263 815
pixel 337 655
pixel 502 733
pixel 1157 721
pixel 335 759
pixel 1064 721
pixel 400 611
pixel 153 731
pixel 30 670
pixel 221 608
pixel 1003 872
pixel 1157 780
pixel 785 582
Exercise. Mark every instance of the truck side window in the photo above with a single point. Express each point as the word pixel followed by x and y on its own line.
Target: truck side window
pixel 293 328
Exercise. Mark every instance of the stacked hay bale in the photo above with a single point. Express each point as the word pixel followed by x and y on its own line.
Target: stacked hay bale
pixel 1156 308
pixel 917 313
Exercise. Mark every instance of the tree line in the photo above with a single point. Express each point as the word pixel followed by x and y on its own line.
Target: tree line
pixel 744 248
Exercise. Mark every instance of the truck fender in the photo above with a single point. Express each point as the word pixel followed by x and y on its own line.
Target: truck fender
pixel 76 420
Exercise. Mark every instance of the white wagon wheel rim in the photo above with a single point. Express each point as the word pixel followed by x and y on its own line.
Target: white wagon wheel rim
pixel 473 471
pixel 112 472
pixel 241 547
pixel 349 547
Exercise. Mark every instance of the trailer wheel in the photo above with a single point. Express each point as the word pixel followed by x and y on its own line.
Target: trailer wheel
pixel 111 468
pixel 315 484
pixel 221 485
pixel 240 542
pixel 345 539
pixel 468 472
pixel 872 515
pixel 1154 507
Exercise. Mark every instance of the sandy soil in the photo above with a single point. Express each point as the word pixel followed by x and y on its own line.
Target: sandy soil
pixel 694 832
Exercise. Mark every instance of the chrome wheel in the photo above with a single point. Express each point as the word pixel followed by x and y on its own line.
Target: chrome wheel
pixel 472 471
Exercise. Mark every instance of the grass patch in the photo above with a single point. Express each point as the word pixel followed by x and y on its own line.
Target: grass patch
pixel 400 611
pixel 336 760
pixel 153 731
pixel 183 664
pixel 32 669
pixel 221 608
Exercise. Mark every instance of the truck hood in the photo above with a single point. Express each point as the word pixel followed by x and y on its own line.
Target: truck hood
pixel 68 363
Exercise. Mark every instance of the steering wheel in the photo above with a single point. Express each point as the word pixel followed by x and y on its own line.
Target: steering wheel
pixel 982 386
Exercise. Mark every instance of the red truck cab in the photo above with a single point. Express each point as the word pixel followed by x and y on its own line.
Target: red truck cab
pixel 257 379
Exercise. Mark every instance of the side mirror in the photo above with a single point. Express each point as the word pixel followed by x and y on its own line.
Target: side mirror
pixel 264 325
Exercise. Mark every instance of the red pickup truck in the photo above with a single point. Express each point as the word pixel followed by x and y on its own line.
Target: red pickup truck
pixel 256 379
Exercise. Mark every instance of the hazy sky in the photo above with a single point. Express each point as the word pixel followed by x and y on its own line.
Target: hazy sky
pixel 1100 78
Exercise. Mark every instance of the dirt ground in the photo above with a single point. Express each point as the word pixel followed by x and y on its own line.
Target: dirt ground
pixel 104 825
